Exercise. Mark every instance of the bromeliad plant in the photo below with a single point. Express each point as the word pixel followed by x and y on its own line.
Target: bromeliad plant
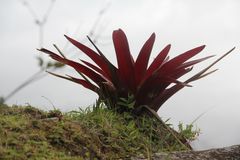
pixel 145 84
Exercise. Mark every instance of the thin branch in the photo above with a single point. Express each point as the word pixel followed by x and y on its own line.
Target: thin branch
pixel 41 23
pixel 38 21
pixel 31 11
pixel 100 15
pixel 47 14
pixel 31 79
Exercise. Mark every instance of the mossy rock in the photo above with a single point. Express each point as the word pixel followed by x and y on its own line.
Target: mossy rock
pixel 29 133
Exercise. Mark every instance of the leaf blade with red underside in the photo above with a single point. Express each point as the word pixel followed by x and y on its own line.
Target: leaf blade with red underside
pixel 157 62
pixel 95 68
pixel 163 97
pixel 77 66
pixel 193 62
pixel 159 83
pixel 124 60
pixel 93 55
pixel 177 61
pixel 84 83
pixel 183 69
pixel 141 63
pixel 112 68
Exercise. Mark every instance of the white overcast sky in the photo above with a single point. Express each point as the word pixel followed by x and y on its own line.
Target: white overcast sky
pixel 183 23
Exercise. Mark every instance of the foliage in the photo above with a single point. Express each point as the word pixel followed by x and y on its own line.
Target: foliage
pixel 149 85
pixel 124 135
pixel 188 132
pixel 96 132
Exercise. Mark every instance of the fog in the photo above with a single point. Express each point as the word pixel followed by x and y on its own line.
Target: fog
pixel 184 24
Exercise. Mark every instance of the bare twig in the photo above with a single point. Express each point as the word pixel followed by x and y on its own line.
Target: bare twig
pixel 41 23
pixel 30 80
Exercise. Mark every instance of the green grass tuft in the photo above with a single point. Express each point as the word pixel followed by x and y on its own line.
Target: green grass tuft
pixel 96 132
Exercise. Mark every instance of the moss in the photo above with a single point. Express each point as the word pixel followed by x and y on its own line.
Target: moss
pixel 29 133
pixel 25 135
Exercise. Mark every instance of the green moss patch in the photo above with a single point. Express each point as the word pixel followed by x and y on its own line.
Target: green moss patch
pixel 94 133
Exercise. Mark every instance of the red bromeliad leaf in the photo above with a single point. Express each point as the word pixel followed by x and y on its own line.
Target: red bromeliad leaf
pixel 84 83
pixel 184 68
pixel 124 59
pixel 150 86
pixel 93 55
pixel 94 68
pixel 107 83
pixel 77 66
pixel 196 76
pixel 112 68
pixel 161 98
pixel 177 61
pixel 191 63
pixel 51 54
pixel 156 103
pixel 164 96
pixel 158 61
pixel 168 67
pixel 175 81
pixel 155 86
pixel 158 84
pixel 141 63
pixel 87 71
pixel 148 80
pixel 180 72
pixel 161 83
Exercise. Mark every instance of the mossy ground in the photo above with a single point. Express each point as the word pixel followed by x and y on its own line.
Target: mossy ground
pixel 98 133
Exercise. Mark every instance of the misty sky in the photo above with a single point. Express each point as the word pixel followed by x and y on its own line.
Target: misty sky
pixel 183 23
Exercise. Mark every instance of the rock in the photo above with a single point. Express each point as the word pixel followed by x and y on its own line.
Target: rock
pixel 226 153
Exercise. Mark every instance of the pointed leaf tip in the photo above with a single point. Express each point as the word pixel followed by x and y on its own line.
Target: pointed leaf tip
pixel 67 37
pixel 141 63
pixel 158 61
pixel 124 58
pixel 180 59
